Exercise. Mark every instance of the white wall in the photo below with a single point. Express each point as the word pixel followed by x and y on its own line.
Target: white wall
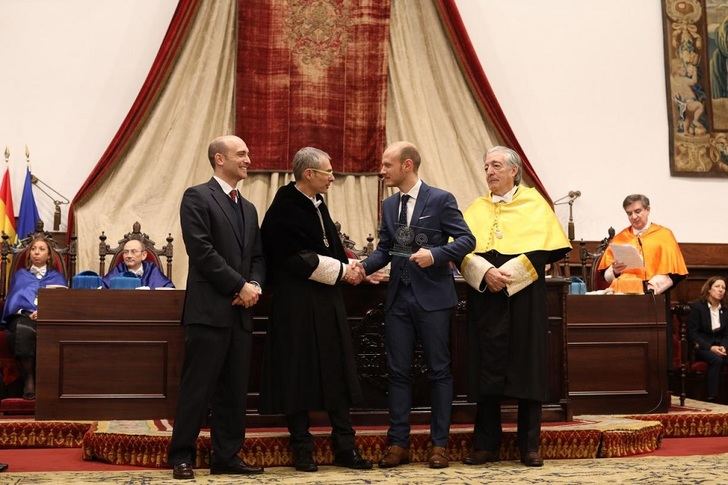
pixel 581 82
pixel 69 72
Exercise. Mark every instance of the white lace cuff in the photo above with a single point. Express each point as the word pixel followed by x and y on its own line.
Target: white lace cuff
pixel 660 283
pixel 609 275
pixel 473 270
pixel 522 273
pixel 328 271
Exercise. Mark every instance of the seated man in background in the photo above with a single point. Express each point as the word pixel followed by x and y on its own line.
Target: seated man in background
pixel 135 261
pixel 663 265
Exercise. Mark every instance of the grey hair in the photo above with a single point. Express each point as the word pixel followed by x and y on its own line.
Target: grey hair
pixel 307 157
pixel 631 199
pixel 512 158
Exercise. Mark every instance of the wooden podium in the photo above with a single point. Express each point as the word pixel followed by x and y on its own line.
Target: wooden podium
pixel 117 354
pixel 108 354
pixel 617 348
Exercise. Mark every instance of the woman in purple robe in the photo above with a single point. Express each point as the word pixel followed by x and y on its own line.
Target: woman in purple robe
pixel 21 308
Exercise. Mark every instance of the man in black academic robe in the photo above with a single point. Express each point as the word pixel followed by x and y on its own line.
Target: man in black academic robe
pixel 309 360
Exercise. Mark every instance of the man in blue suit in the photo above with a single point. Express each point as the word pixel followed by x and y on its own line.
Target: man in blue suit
pixel 416 225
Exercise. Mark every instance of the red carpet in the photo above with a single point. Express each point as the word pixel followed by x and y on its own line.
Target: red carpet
pixel 691 446
pixel 69 459
pixel 28 445
pixel 55 460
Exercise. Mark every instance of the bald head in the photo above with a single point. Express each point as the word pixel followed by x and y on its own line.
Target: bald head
pixel 222 145
pixel 400 162
pixel 404 150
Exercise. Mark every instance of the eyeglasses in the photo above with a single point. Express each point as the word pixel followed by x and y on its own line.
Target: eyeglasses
pixel 325 172
pixel 133 252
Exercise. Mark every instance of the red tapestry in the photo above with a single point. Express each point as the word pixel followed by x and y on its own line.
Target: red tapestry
pixel 313 73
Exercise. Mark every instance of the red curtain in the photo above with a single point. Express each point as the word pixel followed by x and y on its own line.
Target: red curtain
pixel 146 99
pixel 313 73
pixel 480 87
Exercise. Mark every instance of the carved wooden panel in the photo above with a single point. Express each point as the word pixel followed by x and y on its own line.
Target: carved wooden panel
pixel 617 351
pixel 118 355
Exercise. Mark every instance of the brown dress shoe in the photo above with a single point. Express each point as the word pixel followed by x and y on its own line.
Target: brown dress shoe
pixel 438 457
pixel 532 458
pixel 183 471
pixel 395 456
pixel 478 457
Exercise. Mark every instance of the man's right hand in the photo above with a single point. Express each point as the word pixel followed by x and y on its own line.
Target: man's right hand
pixel 354 273
pixel 618 268
pixel 718 350
pixel 496 279
pixel 248 295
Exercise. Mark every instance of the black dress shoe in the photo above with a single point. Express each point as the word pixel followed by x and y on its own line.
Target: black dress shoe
pixel 236 468
pixel 532 458
pixel 303 462
pixel 352 459
pixel 183 471
pixel 3 467
pixel 478 457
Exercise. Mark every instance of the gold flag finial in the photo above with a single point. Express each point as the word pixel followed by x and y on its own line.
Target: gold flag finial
pixel 27 154
pixel 7 154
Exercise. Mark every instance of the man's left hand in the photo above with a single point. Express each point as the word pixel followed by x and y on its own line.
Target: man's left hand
pixel 422 258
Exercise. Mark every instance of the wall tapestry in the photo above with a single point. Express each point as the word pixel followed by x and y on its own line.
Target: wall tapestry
pixel 696 71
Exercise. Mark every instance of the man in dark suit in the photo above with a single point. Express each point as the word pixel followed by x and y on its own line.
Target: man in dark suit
pixel 416 225
pixel 226 271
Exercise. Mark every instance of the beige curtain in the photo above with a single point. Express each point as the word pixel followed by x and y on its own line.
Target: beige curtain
pixel 429 104
pixel 170 154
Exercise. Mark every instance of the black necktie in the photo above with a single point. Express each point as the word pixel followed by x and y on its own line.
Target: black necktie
pixel 403 210
pixel 404 274
pixel 234 200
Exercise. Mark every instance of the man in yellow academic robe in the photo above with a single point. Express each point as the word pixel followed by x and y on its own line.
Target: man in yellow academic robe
pixel 517 235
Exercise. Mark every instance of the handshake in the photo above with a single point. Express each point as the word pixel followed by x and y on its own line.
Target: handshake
pixel 355 274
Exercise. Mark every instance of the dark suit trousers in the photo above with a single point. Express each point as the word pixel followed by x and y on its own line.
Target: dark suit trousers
pixel 715 363
pixel 488 431
pixel 404 321
pixel 215 373
pixel 342 432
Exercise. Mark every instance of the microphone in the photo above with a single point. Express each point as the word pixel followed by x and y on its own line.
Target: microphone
pixel 574 194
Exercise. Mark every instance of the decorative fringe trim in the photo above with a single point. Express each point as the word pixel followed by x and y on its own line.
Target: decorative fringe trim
pixel 620 443
pixel 42 434
pixel 151 451
pixel 682 425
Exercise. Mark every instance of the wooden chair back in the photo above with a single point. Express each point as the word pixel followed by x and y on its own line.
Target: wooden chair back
pixel 15 256
pixel 153 254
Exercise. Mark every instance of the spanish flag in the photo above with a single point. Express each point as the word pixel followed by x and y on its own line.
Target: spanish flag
pixel 7 211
